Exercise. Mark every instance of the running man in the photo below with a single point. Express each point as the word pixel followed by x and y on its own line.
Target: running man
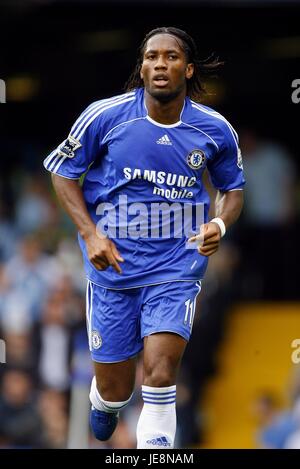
pixel 143 154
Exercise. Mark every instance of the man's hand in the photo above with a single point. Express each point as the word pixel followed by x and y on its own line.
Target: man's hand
pixel 210 234
pixel 102 253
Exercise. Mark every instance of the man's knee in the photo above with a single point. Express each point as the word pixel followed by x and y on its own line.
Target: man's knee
pixel 111 400
pixel 115 382
pixel 162 356
pixel 115 392
pixel 160 373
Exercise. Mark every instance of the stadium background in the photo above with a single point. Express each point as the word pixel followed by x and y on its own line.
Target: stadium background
pixel 239 382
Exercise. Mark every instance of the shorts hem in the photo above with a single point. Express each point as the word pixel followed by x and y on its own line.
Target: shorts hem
pixel 185 337
pixel 115 359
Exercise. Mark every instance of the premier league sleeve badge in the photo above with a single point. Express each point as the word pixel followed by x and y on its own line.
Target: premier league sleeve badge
pixel 68 147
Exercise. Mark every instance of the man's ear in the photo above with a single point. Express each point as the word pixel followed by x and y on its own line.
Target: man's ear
pixel 189 72
pixel 141 74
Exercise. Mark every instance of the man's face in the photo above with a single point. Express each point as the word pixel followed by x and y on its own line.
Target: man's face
pixel 165 69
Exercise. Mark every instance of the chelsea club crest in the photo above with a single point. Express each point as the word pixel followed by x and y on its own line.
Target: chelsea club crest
pixel 196 159
pixel 96 340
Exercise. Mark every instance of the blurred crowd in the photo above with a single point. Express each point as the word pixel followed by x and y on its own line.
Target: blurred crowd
pixel 42 302
pixel 278 416
pixel 41 317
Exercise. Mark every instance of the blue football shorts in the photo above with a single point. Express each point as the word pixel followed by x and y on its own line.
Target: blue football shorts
pixel 118 320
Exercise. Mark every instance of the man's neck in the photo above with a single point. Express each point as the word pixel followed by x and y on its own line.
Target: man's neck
pixel 165 113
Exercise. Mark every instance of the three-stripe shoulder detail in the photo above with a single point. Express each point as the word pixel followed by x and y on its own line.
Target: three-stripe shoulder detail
pixel 215 114
pixel 202 132
pixel 95 110
pixel 55 160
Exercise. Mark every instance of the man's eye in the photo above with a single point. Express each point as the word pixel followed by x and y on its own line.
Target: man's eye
pixel 173 57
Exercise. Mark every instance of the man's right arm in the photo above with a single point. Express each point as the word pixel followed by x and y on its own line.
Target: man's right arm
pixel 101 251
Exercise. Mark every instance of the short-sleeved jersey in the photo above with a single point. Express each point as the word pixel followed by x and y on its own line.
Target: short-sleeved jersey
pixel 142 177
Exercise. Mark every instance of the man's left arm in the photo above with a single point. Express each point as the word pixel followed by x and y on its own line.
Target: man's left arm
pixel 228 208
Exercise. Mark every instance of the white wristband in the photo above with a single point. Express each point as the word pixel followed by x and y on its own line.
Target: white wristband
pixel 221 225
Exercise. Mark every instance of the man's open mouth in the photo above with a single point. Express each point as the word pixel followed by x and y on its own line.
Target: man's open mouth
pixel 160 80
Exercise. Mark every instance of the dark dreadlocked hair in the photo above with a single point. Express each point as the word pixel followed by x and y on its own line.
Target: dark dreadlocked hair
pixel 195 88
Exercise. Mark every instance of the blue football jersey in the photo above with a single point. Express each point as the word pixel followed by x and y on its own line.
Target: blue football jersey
pixel 143 183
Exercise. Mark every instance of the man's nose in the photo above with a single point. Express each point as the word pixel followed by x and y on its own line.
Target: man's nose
pixel 160 63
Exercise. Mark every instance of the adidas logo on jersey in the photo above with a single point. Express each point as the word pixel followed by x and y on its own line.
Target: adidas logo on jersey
pixel 164 140
pixel 159 441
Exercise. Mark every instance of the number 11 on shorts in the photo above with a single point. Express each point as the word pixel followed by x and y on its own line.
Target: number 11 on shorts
pixel 190 307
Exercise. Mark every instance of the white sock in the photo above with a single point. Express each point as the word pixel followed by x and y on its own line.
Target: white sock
pixel 100 404
pixel 156 427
